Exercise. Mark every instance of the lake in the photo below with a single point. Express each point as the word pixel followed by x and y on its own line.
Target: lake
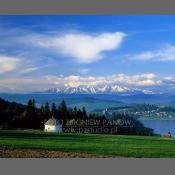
pixel 161 126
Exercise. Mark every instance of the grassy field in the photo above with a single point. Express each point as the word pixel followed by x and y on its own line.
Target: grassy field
pixel 112 145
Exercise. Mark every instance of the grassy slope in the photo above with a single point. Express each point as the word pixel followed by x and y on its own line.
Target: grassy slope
pixel 127 146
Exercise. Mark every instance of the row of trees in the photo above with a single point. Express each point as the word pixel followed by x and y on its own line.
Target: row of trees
pixel 16 115
pixel 62 111
pixel 34 117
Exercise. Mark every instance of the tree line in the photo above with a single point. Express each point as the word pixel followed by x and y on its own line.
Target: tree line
pixel 14 115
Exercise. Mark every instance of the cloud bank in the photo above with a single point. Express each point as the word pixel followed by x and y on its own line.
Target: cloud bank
pixel 148 79
pixel 41 83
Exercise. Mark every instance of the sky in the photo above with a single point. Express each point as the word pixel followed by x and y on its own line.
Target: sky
pixel 41 52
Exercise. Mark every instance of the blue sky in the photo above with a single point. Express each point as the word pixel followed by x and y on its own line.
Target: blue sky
pixel 39 52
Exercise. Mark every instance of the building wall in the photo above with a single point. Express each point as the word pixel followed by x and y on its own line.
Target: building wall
pixel 49 128
pixel 52 128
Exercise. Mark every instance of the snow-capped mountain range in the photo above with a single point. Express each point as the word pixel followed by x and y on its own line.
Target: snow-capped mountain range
pixel 106 89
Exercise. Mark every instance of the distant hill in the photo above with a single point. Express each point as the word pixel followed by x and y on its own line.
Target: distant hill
pixel 89 101
pixel 92 104
pixel 6 105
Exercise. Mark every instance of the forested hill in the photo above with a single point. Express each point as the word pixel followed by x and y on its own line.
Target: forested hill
pixel 6 105
pixel 14 116
pixel 9 111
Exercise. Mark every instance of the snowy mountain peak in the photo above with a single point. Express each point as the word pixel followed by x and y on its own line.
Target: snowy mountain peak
pixel 98 89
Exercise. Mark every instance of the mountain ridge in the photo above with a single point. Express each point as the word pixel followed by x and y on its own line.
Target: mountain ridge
pixel 114 89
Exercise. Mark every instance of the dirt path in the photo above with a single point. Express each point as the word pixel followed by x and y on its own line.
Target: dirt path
pixel 36 153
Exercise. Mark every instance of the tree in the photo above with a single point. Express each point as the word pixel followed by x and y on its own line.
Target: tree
pixel 47 107
pixel 47 111
pixel 79 114
pixel 62 110
pixel 75 112
pixel 84 114
pixel 53 109
pixel 31 104
pixel 63 106
pixel 42 109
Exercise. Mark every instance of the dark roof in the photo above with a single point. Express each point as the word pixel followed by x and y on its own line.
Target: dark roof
pixel 52 121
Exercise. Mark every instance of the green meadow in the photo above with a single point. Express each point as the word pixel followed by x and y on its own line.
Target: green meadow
pixel 112 145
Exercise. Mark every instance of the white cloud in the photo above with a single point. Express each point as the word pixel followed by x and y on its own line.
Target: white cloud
pixel 84 48
pixel 16 65
pixel 29 70
pixel 164 54
pixel 148 79
pixel 8 63
pixel 169 80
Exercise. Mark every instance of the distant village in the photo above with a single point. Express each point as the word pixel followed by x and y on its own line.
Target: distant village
pixel 144 111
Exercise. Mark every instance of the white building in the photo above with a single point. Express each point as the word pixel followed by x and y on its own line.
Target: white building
pixel 53 125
